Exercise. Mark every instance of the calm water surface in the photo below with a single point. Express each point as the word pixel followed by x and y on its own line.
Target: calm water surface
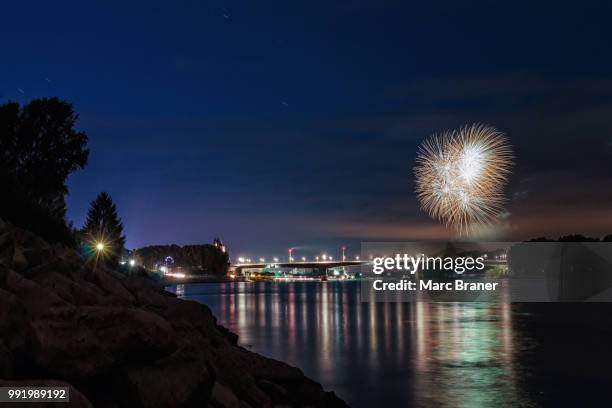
pixel 390 354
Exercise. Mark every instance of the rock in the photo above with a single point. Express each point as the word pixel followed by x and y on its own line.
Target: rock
pixel 150 298
pixel 89 341
pixel 230 336
pixel 5 240
pixel 36 299
pixel 77 292
pixel 114 290
pixel 7 248
pixel 278 394
pixel 6 361
pixel 19 260
pixel 223 397
pixel 174 381
pixel 190 315
pixel 33 256
pixel 14 328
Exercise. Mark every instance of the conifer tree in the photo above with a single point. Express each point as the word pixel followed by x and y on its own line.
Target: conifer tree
pixel 103 230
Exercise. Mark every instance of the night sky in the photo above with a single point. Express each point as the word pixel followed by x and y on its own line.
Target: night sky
pixel 277 124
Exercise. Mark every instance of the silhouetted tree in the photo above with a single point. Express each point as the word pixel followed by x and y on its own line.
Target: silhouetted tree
pixel 103 227
pixel 39 148
pixel 209 259
pixel 607 238
pixel 540 239
pixel 577 238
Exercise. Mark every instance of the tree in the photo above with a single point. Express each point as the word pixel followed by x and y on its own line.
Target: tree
pixel 103 230
pixel 208 259
pixel 607 238
pixel 577 238
pixel 540 239
pixel 39 149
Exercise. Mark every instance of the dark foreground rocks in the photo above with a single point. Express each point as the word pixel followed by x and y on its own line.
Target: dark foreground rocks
pixel 119 341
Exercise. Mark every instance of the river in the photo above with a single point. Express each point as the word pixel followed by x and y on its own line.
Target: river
pixel 420 354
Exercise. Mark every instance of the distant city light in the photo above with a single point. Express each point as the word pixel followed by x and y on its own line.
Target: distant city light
pixel 163 269
pixel 357 257
pixel 275 259
pixel 262 259
pixel 303 259
pixel 241 259
pixel 324 256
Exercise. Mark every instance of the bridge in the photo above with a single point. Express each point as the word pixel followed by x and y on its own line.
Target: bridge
pixel 239 267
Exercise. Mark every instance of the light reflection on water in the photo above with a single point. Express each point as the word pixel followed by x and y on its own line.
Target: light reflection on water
pixel 374 354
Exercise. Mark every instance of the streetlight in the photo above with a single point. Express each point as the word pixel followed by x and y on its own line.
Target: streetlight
pixel 317 258
pixel 324 256
pixel 343 255
pixel 290 252
pixel 275 259
pixel 303 259
pixel 262 260
pixel 100 246
pixel 132 262
pixel 241 260
pixel 357 257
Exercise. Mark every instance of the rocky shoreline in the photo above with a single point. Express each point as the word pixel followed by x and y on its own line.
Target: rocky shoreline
pixel 120 341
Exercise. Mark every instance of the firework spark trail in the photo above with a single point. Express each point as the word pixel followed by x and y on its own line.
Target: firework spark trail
pixel 460 176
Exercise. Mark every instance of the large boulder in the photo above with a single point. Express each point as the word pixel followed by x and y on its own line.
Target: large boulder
pixel 178 380
pixel 78 342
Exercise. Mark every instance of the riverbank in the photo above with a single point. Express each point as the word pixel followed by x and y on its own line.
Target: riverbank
pixel 120 341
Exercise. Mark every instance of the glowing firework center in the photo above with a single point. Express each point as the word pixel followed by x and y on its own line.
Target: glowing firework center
pixel 460 176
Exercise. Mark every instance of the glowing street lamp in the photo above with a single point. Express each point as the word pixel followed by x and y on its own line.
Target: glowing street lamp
pixel 132 262
pixel 343 254
pixel 317 258
pixel 262 260
pixel 290 252
pixel 100 246
pixel 303 259
pixel 324 257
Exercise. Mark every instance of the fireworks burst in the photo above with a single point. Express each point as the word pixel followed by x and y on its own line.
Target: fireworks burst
pixel 460 176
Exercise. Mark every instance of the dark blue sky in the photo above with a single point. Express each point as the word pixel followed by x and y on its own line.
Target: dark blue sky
pixel 276 124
